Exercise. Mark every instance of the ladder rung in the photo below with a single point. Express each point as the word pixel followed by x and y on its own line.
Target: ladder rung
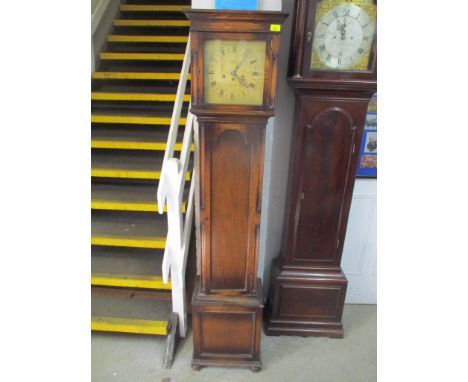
pixel 127 281
pixel 142 56
pixel 111 324
pixel 130 38
pixel 151 23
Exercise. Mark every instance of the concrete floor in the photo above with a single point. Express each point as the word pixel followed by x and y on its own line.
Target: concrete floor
pixel 130 358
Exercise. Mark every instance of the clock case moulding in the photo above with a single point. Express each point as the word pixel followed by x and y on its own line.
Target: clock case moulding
pixel 307 285
pixel 227 302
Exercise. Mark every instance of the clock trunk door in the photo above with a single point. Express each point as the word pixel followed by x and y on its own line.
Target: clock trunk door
pixel 325 177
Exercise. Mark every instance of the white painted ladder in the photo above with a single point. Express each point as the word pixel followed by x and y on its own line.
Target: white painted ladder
pixel 170 192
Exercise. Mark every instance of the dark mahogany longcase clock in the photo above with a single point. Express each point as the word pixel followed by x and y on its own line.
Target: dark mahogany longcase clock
pixel 332 70
pixel 234 64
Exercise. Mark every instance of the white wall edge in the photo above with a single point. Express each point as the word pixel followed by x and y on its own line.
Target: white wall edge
pixel 98 13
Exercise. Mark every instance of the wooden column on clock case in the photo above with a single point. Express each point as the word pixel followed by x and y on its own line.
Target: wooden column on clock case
pixel 227 304
pixel 308 288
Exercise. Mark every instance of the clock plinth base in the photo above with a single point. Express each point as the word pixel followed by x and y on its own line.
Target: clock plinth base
pixel 227 330
pixel 305 302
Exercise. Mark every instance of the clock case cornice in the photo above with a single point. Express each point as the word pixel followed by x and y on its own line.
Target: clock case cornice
pixel 208 20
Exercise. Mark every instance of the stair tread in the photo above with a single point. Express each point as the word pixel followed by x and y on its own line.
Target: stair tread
pixel 125 164
pixel 126 161
pixel 129 315
pixel 126 193
pixel 128 269
pixel 130 308
pixel 129 135
pixel 131 117
pixel 138 263
pixel 125 280
pixel 122 325
pixel 134 227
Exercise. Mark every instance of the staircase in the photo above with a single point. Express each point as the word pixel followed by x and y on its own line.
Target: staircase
pixel 133 92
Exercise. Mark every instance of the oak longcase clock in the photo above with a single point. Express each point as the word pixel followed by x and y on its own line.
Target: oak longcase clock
pixel 234 63
pixel 332 69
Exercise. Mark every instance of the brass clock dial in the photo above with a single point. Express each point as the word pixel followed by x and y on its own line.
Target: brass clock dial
pixel 344 32
pixel 234 72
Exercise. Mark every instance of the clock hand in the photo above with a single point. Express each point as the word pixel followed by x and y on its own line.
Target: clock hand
pixel 234 72
pixel 343 29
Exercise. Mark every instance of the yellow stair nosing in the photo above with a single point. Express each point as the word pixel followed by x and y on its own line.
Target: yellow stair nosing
pixel 137 76
pixel 122 325
pixel 109 96
pixel 142 56
pixel 129 281
pixel 142 38
pixel 130 145
pixel 128 206
pixel 153 8
pixel 155 243
pixel 150 23
pixel 124 173
pixel 128 174
pixel 136 120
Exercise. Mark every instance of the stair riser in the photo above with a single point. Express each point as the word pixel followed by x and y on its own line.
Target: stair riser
pixel 136 85
pixel 136 97
pixel 138 47
pixel 131 78
pixel 164 108
pixel 140 66
pixel 153 30
pixel 155 15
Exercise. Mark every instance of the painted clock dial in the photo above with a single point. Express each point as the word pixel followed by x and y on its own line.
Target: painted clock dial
pixel 343 36
pixel 234 72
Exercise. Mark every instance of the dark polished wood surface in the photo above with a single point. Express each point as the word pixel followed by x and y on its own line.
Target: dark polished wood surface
pixel 227 331
pixel 308 288
pixel 228 305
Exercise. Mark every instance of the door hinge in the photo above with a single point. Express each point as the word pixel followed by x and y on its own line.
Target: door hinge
pixel 354 147
pixel 338 243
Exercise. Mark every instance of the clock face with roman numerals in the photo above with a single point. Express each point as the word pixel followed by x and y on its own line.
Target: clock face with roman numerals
pixel 343 36
pixel 234 72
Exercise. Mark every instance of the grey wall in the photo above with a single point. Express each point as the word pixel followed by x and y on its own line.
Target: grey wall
pixel 277 151
pixel 104 26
